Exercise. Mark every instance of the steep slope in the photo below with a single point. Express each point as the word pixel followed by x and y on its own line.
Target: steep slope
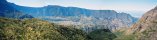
pixel 6 10
pixel 85 18
pixel 146 27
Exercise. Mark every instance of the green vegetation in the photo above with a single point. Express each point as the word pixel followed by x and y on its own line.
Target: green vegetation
pixel 102 34
pixel 121 35
pixel 35 29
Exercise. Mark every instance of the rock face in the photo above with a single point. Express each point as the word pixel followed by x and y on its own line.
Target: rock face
pixel 6 10
pixel 146 26
pixel 87 19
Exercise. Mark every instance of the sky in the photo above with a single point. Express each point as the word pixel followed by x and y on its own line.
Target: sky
pixel 134 7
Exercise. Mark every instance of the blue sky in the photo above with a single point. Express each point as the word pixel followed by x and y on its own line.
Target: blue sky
pixel 134 7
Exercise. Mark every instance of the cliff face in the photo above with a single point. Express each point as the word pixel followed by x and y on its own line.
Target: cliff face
pixel 146 26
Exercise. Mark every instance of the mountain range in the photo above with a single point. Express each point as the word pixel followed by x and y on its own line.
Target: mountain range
pixel 55 22
pixel 85 19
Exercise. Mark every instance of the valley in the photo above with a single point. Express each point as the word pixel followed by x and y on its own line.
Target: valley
pixel 54 22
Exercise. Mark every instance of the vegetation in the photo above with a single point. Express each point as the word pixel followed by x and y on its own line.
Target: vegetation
pixel 150 32
pixel 34 29
pixel 121 35
pixel 102 34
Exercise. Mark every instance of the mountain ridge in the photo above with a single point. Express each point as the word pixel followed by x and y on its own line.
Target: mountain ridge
pixel 75 16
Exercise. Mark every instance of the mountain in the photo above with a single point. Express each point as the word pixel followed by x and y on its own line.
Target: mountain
pixel 85 19
pixel 146 27
pixel 6 10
